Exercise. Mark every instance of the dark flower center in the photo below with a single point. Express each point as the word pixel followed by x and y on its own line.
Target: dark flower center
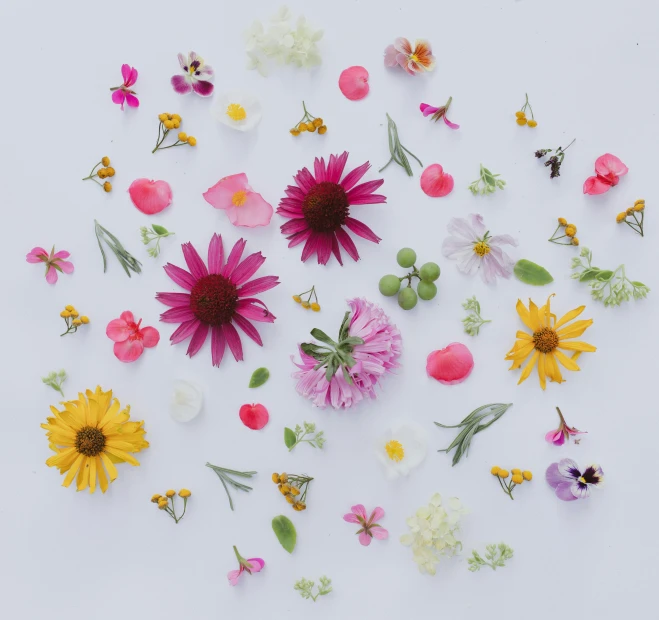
pixel 545 340
pixel 90 441
pixel 213 299
pixel 325 207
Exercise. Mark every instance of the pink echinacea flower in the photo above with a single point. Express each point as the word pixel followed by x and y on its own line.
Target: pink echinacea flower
pixel 123 93
pixel 54 262
pixel 129 338
pixel 369 528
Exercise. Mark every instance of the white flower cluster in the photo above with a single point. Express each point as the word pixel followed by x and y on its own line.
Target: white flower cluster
pixel 282 43
pixel 432 532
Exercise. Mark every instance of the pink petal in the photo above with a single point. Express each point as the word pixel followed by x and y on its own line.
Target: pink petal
pixel 324 248
pixel 390 54
pixel 254 416
pixel 564 492
pixel 610 164
pixel 219 196
pixel 353 83
pixel 259 285
pixel 215 254
pixel 193 260
pixel 150 196
pixel 35 254
pixel 450 124
pixel 248 328
pixel 234 258
pixel 363 190
pixel 255 212
pixel 336 250
pixel 198 339
pixel 379 532
pixel 180 276
pixel 174 300
pixel 359 510
pixel 180 84
pixel 556 437
pixel 178 314
pixel 351 518
pixel 364 539
pixel 62 254
pixel 293 226
pixel 203 88
pixel 65 265
pixel 218 345
pixel 150 337
pixel 435 182
pixel 354 176
pixel 183 62
pixel 554 477
pixel 347 243
pixel 132 100
pixel 428 109
pixel 376 515
pixel 125 73
pixel 118 97
pixel 128 350
pixel 299 237
pixel 184 330
pixel 319 169
pixel 233 340
pixel 450 365
pixel 133 77
pixel 118 330
pixel 361 229
pixel 249 309
pixel 127 316
pixel 233 576
pixel 595 185
pixel 256 565
pixel 51 275
pixel 403 46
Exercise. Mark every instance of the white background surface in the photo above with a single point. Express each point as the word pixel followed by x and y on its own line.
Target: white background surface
pixel 590 70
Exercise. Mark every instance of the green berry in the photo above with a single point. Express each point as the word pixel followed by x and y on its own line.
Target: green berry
pixel 429 272
pixel 406 257
pixel 389 285
pixel 427 290
pixel 407 299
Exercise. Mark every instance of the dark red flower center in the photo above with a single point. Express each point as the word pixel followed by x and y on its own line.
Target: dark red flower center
pixel 213 299
pixel 325 207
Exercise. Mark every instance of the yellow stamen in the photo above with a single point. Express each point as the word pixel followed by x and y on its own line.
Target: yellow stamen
pixel 481 248
pixel 239 198
pixel 236 112
pixel 582 480
pixel 414 58
pixel 395 450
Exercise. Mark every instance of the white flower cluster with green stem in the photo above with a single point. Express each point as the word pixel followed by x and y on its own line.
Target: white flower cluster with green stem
pixel 283 43
pixel 495 556
pixel 305 588
pixel 433 532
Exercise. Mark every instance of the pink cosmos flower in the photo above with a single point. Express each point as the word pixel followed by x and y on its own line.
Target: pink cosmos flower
pixel 562 433
pixel 438 113
pixel 369 529
pixel 476 250
pixel 375 358
pixel 608 170
pixel 219 296
pixel 353 83
pixel 319 207
pixel 435 182
pixel 243 205
pixel 54 262
pixel 252 565
pixel 450 365
pixel 129 339
pixel 414 60
pixel 569 483
pixel 123 93
pixel 196 77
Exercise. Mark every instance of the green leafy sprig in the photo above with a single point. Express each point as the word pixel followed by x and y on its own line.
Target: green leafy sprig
pixel 305 588
pixel 473 321
pixel 125 258
pixel 472 425
pixel 397 150
pixel 225 478
pixel 486 183
pixel 55 379
pixel 608 286
pixel 495 557
pixel 293 437
pixel 155 233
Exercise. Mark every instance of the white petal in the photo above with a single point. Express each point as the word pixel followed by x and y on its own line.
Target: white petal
pixel 187 400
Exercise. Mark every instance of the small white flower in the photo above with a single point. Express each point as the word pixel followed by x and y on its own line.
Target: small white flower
pixel 238 110
pixel 402 448
pixel 186 402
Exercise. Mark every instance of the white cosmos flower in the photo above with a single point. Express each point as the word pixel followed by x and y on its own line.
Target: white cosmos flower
pixel 186 402
pixel 401 448
pixel 238 110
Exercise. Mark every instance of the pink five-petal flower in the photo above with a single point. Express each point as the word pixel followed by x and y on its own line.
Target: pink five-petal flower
pixel 251 565
pixel 369 528
pixel 438 113
pixel 54 262
pixel 243 206
pixel 450 365
pixel 435 182
pixel 150 196
pixel 353 83
pixel 608 170
pixel 129 338
pixel 123 92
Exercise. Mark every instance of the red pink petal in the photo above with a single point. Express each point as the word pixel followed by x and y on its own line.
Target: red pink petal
pixel 353 83
pixel 435 182
pixel 118 330
pixel 150 337
pixel 35 254
pixel 128 350
pixel 595 185
pixel 51 275
pixel 150 196
pixel 364 539
pixel 427 110
pixel 450 365
pixel 450 124
pixel 610 164
pixel 132 101
pixel 254 417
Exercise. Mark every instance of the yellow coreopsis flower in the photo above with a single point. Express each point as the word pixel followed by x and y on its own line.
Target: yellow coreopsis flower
pixel 89 436
pixel 548 340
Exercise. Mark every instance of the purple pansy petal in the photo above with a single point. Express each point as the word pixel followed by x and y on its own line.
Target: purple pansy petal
pixel 568 469
pixel 553 476
pixel 580 490
pixel 564 492
pixel 180 84
pixel 203 88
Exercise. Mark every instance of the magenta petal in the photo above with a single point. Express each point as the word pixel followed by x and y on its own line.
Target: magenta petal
pixel 450 365
pixel 354 176
pixel 259 285
pixel 336 250
pixel 353 83
pixel 203 88
pixel 337 164
pixel 198 339
pixel 125 73
pixel 184 330
pixel 215 254
pixel 181 85
pixel 363 190
pixel 128 350
pixel 118 330
pixel 174 300
pixel 595 185
pixel 256 565
pixel 450 124
pixel 132 100
pixel 427 109
pixel 234 258
pixel 193 260
pixel 361 229
pixel 248 328
pixel 51 275
pixel 150 196
pixel 347 243
pixel 245 270
pixel 233 340
pixel 435 182
pixel 556 437
pixel 254 417
pixel 218 345
pixel 118 96
pixel 180 276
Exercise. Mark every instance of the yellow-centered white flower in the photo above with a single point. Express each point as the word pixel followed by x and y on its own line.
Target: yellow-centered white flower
pixel 239 110
pixel 401 448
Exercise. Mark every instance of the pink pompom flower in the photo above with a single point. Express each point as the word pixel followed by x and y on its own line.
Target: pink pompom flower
pixel 608 170
pixel 562 433
pixel 369 528
pixel 451 365
pixel 197 76
pixel 438 113
pixel 54 262
pixel 123 93
pixel 414 60
pixel 353 83
pixel 252 565
pixel 129 338
pixel 435 182
pixel 254 416
pixel 150 196
pixel 244 207
pixel 349 370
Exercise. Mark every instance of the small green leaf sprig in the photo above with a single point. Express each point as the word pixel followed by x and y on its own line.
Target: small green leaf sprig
pixel 225 478
pixel 305 588
pixel 293 437
pixel 155 233
pixel 610 287
pixel 495 557
pixel 55 379
pixel 397 150
pixel 473 321
pixel 486 183
pixel 125 258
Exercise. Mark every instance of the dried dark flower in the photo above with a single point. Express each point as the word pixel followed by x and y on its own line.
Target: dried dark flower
pixel 555 161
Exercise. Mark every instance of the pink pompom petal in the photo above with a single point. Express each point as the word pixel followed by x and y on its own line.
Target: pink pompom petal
pixel 435 182
pixel 150 337
pixel 595 185
pixel 118 330
pixel 254 416
pixel 610 164
pixel 128 350
pixel 451 365
pixel 353 83
pixel 150 196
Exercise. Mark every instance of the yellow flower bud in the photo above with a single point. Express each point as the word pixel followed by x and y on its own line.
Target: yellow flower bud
pixel 317 122
pixel 192 141
pixel 156 498
pixel 162 504
pixel 285 489
pixel 503 473
pixel 69 307
pixel 163 117
pixel 521 121
pixel 64 314
pixel 107 186
pixel 315 307
pixel 175 117
pixel 575 241
pixel 290 499
pixel 169 124
pixel 518 479
pixel 297 299
pixel 84 319
pixel 77 322
pixel 515 471
pixel 562 221
pixel 275 478
pixel 520 114
pixel 105 161
pixel 495 470
pixel 639 206
pixel 295 132
pixel 322 129
pixel 283 477
pixel 170 493
pixel 570 230
pixel 533 123
pixel 527 475
pixel 295 491
pixel 620 218
pixel 306 305
pixel 102 173
pixel 184 493
pixel 109 171
pixel 182 136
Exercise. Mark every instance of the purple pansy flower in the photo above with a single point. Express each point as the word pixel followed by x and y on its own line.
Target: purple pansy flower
pixel 196 76
pixel 569 482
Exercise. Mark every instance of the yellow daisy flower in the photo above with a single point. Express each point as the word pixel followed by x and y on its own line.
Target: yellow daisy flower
pixel 92 433
pixel 547 339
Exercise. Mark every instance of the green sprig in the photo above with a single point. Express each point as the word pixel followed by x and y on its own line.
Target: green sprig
pixel 155 233
pixel 225 478
pixel 397 150
pixel 305 588
pixel 486 183
pixel 473 321
pixel 495 557
pixel 125 258
pixel 293 437
pixel 55 379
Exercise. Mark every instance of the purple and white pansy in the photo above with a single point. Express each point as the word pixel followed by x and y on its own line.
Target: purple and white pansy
pixel 197 76
pixel 569 482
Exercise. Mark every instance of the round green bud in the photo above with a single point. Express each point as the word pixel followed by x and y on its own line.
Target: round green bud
pixel 407 299
pixel 427 290
pixel 429 272
pixel 406 257
pixel 389 285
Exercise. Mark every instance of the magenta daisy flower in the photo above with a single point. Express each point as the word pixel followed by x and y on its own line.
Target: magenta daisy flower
pixel 319 208
pixel 220 296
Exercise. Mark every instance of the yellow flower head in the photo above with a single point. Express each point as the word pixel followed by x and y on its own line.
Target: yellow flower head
pixel 547 341
pixel 562 221
pixel 620 218
pixel 156 498
pixel 170 493
pixel 495 470
pixel 639 205
pixel 570 230
pixel 527 475
pixel 275 478
pixel 518 479
pixel 516 471
pixel 184 493
pixel 89 435
pixel 503 473
pixel 575 240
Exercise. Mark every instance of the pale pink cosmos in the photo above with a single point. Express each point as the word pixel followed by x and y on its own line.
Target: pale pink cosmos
pixel 123 93
pixel 54 262
pixel 435 182
pixel 563 433
pixel 475 249
pixel 438 113
pixel 450 365
pixel 353 83
pixel 414 60
pixel 150 196
pixel 196 77
pixel 369 528
pixel 130 339
pixel 243 206
pixel 375 358
pixel 608 170
pixel 251 565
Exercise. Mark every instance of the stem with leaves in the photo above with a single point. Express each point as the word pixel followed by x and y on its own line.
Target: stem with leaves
pixel 293 438
pixel 225 478
pixel 495 557
pixel 397 150
pixel 490 183
pixel 125 258
pixel 55 379
pixel 156 233
pixel 473 322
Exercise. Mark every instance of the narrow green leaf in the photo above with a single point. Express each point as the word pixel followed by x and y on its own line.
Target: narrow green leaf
pixel 161 230
pixel 285 532
pixel 322 336
pixel 289 438
pixel 259 377
pixel 530 273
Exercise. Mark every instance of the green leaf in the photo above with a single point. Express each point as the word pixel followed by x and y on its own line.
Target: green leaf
pixel 161 230
pixel 351 341
pixel 602 276
pixel 322 336
pixel 588 274
pixel 285 532
pixel 259 377
pixel 530 273
pixel 289 438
